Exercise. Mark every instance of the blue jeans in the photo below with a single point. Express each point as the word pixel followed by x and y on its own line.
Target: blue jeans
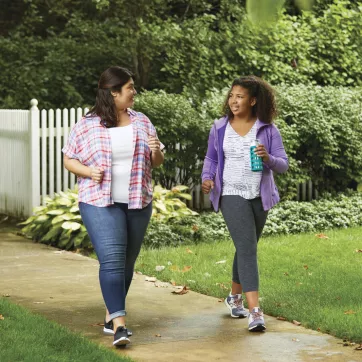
pixel 116 233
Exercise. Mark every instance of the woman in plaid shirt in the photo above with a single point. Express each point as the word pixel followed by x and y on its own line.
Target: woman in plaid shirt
pixel 112 151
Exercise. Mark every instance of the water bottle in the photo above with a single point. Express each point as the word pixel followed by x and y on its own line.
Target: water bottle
pixel 256 162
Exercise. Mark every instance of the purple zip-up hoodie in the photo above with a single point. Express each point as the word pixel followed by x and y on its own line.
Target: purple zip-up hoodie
pixel 213 168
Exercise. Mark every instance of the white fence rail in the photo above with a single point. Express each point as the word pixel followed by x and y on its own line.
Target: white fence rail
pixel 31 162
pixel 30 156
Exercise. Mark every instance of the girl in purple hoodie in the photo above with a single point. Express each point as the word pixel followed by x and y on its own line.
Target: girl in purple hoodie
pixel 245 196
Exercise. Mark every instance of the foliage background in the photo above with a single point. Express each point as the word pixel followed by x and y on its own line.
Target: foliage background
pixel 55 50
pixel 184 53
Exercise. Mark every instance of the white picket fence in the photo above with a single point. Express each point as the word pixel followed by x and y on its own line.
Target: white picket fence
pixel 30 156
pixel 31 161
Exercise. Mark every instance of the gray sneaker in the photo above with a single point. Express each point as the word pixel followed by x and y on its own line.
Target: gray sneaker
pixel 256 320
pixel 236 306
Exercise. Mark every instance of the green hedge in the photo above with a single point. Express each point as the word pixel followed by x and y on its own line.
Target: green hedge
pixel 59 223
pixel 172 45
pixel 289 217
pixel 182 130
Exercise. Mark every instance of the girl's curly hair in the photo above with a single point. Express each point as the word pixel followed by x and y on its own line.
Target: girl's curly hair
pixel 265 107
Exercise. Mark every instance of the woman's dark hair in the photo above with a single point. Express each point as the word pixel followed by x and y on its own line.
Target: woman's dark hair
pixel 265 107
pixel 111 80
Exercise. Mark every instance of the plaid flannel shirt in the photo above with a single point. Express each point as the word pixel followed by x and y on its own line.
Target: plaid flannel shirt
pixel 90 143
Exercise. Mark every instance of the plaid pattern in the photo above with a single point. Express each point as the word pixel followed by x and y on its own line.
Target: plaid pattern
pixel 90 143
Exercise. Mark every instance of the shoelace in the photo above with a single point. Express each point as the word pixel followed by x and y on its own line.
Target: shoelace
pixel 256 315
pixel 236 303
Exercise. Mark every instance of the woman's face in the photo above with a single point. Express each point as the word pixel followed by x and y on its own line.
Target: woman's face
pixel 240 102
pixel 125 97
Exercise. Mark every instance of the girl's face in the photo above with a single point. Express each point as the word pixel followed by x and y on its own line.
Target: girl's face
pixel 240 102
pixel 125 97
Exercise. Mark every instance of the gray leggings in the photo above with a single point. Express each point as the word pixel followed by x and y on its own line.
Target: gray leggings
pixel 245 220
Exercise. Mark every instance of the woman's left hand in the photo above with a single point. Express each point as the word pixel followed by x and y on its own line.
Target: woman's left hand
pixel 154 144
pixel 262 152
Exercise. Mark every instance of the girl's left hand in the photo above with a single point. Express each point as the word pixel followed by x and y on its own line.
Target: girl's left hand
pixel 154 144
pixel 262 152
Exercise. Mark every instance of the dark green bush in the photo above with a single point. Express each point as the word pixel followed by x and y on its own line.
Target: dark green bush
pixel 289 217
pixel 183 132
pixel 59 222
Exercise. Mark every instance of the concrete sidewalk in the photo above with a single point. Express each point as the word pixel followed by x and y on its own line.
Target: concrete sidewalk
pixel 63 287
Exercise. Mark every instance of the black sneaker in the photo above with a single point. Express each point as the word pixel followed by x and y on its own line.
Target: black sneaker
pixel 108 329
pixel 121 337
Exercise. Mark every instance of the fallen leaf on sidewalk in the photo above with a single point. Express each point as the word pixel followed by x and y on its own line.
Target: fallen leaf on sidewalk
pixel 157 335
pixel 159 268
pixel 220 300
pixel 296 323
pixel 295 340
pixel 6 295
pixel 38 302
pixel 150 279
pixel 188 251
pixel 97 325
pixel 281 318
pixel 349 312
pixel 181 291
pixel 221 262
pixel 186 268
pixel 1 317
pixel 321 236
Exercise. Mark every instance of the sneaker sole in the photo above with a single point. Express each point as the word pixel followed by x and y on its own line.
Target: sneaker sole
pixel 231 312
pixel 121 342
pixel 258 328
pixel 110 332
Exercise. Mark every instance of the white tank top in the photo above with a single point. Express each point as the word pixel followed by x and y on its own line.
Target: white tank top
pixel 238 179
pixel 122 157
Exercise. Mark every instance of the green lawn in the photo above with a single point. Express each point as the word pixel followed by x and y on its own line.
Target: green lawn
pixel 27 337
pixel 312 280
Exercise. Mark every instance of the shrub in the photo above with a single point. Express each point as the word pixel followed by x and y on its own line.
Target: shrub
pixel 167 204
pixel 59 222
pixel 293 217
pixel 182 131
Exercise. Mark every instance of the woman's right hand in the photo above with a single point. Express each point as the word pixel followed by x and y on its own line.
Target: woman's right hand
pixel 96 174
pixel 206 186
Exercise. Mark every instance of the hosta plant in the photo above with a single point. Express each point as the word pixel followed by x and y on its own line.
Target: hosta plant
pixel 58 223
pixel 167 204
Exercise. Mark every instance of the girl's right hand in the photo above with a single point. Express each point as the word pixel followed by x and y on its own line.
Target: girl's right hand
pixel 206 186
pixel 96 174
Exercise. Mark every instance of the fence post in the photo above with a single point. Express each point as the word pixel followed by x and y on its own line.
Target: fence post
pixel 34 148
